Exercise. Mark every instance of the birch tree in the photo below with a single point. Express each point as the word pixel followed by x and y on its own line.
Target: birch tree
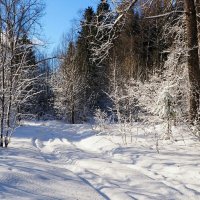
pixel 19 19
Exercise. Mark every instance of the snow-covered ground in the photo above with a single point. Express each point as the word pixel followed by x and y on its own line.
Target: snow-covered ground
pixel 52 160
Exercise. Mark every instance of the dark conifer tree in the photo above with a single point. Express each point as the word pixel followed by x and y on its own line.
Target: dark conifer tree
pixel 85 38
pixel 97 74
pixel 100 72
pixel 84 54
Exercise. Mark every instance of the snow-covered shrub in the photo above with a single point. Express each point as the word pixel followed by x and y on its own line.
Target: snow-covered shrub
pixel 164 97
pixel 166 110
pixel 101 119
pixel 161 99
pixel 175 74
pixel 196 130
pixel 124 110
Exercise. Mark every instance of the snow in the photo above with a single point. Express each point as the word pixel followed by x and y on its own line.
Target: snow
pixel 53 160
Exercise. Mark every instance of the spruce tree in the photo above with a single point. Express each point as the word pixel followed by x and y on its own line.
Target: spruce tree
pixel 99 74
pixel 84 54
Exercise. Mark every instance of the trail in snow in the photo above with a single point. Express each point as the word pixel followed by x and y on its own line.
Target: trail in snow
pixel 25 172
pixel 102 167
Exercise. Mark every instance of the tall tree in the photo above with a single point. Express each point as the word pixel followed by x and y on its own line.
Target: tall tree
pixel 198 17
pixel 68 82
pixel 84 45
pixel 18 19
pixel 193 57
pixel 99 73
pixel 85 38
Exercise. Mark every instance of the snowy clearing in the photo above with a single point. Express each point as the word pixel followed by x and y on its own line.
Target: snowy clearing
pixel 52 160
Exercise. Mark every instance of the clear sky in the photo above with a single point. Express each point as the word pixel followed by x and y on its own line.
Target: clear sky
pixel 59 18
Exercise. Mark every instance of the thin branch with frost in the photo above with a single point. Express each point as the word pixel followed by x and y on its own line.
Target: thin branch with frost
pixel 165 14
pixel 108 29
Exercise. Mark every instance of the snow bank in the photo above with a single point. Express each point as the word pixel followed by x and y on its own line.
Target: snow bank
pixel 53 160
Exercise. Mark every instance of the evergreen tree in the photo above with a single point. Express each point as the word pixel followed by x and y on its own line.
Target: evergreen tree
pixel 102 9
pixel 84 54
pixel 97 75
pixel 100 72
pixel 85 38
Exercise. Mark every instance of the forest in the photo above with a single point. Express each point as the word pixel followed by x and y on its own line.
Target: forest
pixel 124 62
pixel 112 112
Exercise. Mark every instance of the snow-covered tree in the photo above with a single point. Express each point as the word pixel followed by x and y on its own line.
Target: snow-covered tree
pixel 18 20
pixel 68 83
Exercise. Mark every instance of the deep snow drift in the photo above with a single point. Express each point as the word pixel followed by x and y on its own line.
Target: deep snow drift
pixel 52 160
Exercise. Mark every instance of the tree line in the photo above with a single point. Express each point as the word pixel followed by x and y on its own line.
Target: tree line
pixel 123 42
pixel 125 59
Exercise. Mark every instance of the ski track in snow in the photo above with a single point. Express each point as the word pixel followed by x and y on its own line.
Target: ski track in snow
pixel 52 160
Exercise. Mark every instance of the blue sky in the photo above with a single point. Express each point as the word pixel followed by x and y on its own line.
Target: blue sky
pixel 59 17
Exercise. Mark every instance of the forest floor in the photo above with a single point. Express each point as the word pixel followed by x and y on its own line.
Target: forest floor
pixel 56 161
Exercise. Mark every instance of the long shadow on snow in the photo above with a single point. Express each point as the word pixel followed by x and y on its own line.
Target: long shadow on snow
pixel 73 133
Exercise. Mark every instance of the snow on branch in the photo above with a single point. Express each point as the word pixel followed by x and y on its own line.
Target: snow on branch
pixel 107 25
pixel 164 14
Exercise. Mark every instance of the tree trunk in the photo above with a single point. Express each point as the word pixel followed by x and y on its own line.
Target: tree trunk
pixel 73 115
pixel 198 17
pixel 193 58
pixel 2 105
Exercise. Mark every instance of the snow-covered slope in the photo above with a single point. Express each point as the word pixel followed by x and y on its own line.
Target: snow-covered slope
pixel 27 173
pixel 51 160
